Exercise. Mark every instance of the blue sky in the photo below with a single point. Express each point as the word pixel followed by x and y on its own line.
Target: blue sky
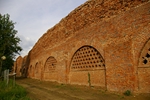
pixel 34 17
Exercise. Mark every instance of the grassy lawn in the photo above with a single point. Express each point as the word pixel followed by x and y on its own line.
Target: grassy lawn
pixel 12 92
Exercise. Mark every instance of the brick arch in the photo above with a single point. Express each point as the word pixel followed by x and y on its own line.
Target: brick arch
pixel 50 73
pixel 144 60
pixel 144 68
pixel 50 64
pixel 80 44
pixel 87 60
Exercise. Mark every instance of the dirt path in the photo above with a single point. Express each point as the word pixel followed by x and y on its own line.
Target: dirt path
pixel 40 90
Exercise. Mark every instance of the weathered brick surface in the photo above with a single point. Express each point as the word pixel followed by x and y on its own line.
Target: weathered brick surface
pixel 105 38
pixel 97 78
pixel 18 66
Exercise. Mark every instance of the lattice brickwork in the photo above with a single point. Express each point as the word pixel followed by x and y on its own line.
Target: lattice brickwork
pixel 87 58
pixel 146 59
pixel 145 55
pixel 50 64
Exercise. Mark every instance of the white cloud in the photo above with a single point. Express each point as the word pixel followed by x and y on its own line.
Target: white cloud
pixel 26 43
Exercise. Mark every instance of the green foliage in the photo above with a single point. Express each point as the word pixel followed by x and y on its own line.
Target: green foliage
pixel 9 42
pixel 11 92
pixel 127 93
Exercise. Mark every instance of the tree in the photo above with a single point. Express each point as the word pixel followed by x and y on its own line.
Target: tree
pixel 9 42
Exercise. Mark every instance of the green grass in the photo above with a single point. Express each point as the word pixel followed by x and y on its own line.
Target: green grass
pixel 11 92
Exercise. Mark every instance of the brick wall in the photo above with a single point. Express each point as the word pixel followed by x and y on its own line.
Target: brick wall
pixel 18 66
pixel 106 41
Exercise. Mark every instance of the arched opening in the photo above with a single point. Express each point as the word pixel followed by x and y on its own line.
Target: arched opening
pixel 50 64
pixel 88 64
pixel 50 69
pixel 144 68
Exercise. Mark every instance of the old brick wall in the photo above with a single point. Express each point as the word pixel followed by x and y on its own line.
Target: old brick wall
pixel 134 28
pixel 105 41
pixel 23 67
pixel 18 66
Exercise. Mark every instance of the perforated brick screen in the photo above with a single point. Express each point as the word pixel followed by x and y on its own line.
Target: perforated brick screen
pixel 50 64
pixel 145 55
pixel 87 58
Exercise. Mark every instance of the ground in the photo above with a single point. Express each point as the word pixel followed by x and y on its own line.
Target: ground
pixel 42 90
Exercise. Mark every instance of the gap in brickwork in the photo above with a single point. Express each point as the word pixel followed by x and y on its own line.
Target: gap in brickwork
pixel 50 64
pixel 87 57
pixel 145 55
pixel 146 59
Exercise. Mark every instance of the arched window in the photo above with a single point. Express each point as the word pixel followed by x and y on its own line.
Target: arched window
pixel 50 64
pixel 144 60
pixel 87 58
